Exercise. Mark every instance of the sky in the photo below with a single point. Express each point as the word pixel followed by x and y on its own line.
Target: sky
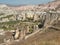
pixel 19 2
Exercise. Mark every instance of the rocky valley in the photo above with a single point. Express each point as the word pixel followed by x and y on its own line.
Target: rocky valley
pixel 30 24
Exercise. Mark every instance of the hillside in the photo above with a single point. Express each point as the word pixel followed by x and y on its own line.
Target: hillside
pixel 36 24
pixel 49 36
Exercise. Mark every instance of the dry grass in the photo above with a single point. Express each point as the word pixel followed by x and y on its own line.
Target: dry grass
pixel 48 37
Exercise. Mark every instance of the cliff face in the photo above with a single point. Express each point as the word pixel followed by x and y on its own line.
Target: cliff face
pixel 50 18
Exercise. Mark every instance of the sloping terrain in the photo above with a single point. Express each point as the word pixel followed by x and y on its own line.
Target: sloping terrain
pixel 49 33
pixel 49 36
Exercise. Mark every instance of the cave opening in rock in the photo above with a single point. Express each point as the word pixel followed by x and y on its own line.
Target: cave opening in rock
pixel 40 25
